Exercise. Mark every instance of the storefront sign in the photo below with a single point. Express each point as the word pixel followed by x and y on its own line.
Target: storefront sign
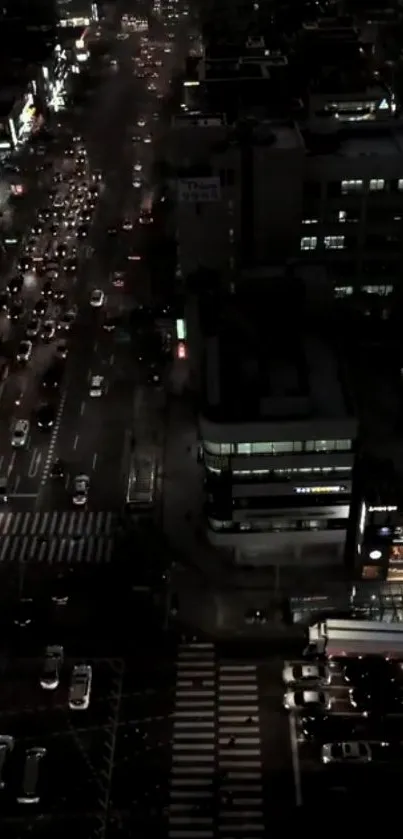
pixel 199 190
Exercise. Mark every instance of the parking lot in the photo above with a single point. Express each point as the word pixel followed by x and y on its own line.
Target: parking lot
pixel 342 773
pixel 76 769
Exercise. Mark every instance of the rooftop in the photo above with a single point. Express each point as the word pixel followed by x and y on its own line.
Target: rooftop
pixel 364 140
pixel 261 366
pixel 8 97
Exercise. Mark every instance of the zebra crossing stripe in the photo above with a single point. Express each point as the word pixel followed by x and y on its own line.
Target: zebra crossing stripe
pixel 239 752
pixel 23 549
pixel 194 743
pixel 56 523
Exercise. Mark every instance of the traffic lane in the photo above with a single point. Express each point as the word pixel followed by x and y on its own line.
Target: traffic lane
pixel 101 451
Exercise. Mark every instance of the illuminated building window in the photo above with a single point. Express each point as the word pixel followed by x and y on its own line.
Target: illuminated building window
pixel 310 221
pixel 309 243
pixel 376 184
pixel 334 243
pixel 354 185
pixel 400 184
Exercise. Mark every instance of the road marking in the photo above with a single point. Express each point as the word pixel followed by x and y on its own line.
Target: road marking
pixel 75 442
pixel 295 760
pixel 82 409
pixel 34 463
pixel 94 460
pixel 52 444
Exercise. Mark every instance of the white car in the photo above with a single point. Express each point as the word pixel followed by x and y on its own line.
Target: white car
pixel 137 183
pixel 24 351
pixel 307 700
pixel 306 673
pixel 48 330
pixel 80 490
pixel 53 661
pixel 97 298
pixel 146 218
pixel 20 434
pixel 80 687
pixel 354 751
pixel 127 224
pixel 141 122
pixel 96 385
pixel 137 167
pixel 147 139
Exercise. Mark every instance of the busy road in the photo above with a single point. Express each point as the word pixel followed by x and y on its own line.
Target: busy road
pixel 67 402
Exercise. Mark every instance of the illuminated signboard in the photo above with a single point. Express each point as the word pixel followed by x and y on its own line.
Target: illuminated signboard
pixel 313 490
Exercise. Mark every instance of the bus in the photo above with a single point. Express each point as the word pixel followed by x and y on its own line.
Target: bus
pixel 142 483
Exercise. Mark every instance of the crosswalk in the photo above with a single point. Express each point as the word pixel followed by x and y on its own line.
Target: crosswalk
pixel 216 773
pixel 73 523
pixel 57 537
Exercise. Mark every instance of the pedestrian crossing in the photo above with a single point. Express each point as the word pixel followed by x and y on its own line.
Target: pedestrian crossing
pixel 72 523
pixel 57 537
pixel 216 783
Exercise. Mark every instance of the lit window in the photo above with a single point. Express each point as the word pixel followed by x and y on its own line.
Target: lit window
pixel 244 448
pixel 351 186
pixel 400 184
pixel 343 290
pixel 342 215
pixel 310 221
pixel 309 243
pixel 282 448
pixel 376 184
pixel 334 243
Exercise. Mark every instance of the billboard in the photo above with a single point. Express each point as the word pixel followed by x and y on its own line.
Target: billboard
pixel 199 190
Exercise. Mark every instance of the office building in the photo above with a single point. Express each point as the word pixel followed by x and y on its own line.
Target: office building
pixel 277 431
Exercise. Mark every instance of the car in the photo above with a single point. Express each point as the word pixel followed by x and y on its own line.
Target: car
pixel 24 351
pixel 377 699
pixel 59 296
pixel 25 264
pixel 352 751
pixel 45 416
pixel 60 588
pixel 137 183
pixel 110 323
pixel 138 167
pixel 6 747
pixel 141 122
pixel 70 265
pixel 118 279
pixel 53 660
pixel 369 668
pixel 136 138
pixel 15 311
pixel 146 218
pixel 112 230
pixel 62 349
pixel 147 139
pixel 15 285
pixel 48 330
pixel 127 224
pixel 20 433
pixel 40 308
pixel 33 326
pixel 302 700
pixel 29 793
pixel 83 231
pixel 53 376
pixel 97 298
pixel 96 386
pixel 4 301
pixel 80 687
pixel 253 615
pixel 81 485
pixel 66 321
pixel 24 612
pixel 294 673
pixel 57 469
pixel 47 290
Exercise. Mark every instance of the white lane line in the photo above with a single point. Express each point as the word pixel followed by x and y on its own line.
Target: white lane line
pixel 17 483
pixel 295 760
pixel 75 442
pixel 34 464
pixel 12 462
pixel 94 460
pixel 82 409
pixel 52 444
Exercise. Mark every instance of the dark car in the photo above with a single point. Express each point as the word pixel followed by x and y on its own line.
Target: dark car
pixel 112 231
pixel 25 263
pixel 4 301
pixel 71 264
pixel 44 213
pixel 59 296
pixel 61 251
pixel 24 612
pixel 82 231
pixel 47 290
pixel 370 669
pixel 40 308
pixel 16 311
pixel 45 417
pixel 58 469
pixel 110 323
pixel 53 377
pixel 15 286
